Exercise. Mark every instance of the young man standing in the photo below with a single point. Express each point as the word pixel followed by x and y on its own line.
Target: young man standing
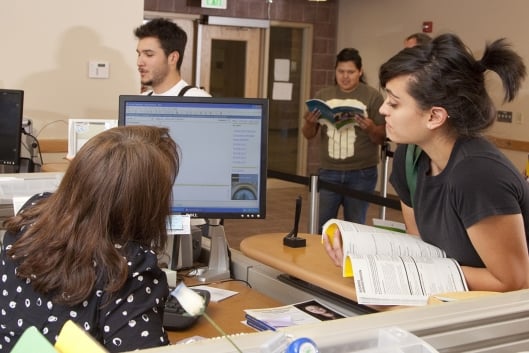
pixel 161 46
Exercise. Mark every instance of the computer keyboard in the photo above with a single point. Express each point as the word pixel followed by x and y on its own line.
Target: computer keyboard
pixel 175 317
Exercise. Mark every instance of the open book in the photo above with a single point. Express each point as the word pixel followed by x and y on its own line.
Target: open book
pixel 393 268
pixel 339 113
pixel 295 314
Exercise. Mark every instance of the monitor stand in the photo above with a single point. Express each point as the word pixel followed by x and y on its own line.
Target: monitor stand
pixel 219 263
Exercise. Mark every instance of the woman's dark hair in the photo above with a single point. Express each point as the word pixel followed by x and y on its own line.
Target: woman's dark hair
pixel 350 54
pixel 444 73
pixel 116 190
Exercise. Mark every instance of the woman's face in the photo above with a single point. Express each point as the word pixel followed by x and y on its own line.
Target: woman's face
pixel 347 75
pixel 405 121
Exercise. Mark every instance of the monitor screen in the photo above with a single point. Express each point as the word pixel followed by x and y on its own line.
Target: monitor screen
pixel 11 109
pixel 223 143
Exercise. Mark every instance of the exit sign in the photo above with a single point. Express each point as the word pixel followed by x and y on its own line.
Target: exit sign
pixel 215 4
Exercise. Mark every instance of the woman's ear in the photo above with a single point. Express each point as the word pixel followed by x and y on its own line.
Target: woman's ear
pixel 438 116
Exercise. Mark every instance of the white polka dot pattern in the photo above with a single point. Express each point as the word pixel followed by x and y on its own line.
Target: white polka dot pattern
pixel 131 320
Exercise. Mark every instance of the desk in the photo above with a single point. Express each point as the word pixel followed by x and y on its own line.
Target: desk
pixel 54 167
pixel 228 313
pixel 310 264
pixel 54 146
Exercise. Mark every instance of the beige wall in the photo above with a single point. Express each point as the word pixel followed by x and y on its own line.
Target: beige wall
pixel 378 27
pixel 46 46
pixel 49 44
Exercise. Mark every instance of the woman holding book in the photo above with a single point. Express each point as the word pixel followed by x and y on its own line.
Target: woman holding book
pixel 457 190
pixel 349 155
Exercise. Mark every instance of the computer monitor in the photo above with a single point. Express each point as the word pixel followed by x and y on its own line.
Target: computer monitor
pixel 11 110
pixel 223 168
pixel 223 142
pixel 81 130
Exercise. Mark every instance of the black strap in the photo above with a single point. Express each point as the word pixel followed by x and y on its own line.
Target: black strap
pixel 180 94
pixel 184 90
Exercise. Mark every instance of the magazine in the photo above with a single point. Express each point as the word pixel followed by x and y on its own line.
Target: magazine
pixel 306 312
pixel 339 113
pixel 394 268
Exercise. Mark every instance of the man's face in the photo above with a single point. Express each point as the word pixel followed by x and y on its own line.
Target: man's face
pixel 153 65
pixel 347 75
pixel 409 43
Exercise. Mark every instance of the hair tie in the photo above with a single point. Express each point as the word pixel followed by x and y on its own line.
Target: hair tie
pixel 480 67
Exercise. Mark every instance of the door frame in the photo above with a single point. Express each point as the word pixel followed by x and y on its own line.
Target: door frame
pixel 305 84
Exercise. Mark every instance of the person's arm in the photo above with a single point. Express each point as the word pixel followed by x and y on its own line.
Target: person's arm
pixel 501 243
pixel 136 320
pixel 311 126
pixel 376 133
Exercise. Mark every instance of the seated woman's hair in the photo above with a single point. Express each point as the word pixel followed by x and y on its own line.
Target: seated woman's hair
pixel 116 190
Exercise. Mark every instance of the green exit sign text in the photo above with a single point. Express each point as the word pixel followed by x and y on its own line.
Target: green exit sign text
pixel 215 4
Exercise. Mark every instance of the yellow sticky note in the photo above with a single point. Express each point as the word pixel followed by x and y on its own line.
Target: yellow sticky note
pixel 73 339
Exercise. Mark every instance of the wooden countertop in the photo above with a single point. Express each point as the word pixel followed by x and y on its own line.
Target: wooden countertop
pixel 228 313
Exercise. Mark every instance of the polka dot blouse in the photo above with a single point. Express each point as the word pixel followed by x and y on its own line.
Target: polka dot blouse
pixel 132 320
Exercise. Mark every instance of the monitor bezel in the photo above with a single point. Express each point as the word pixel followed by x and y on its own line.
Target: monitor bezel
pixel 14 158
pixel 263 102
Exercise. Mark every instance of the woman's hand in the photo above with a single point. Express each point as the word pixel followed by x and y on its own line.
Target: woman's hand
pixel 334 247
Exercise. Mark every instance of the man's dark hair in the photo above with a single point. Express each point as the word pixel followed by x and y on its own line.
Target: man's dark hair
pixel 171 36
pixel 350 54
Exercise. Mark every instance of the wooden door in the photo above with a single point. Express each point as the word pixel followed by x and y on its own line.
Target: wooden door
pixel 229 60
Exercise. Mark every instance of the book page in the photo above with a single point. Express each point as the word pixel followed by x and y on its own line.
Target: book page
pixel 360 239
pixel 387 280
